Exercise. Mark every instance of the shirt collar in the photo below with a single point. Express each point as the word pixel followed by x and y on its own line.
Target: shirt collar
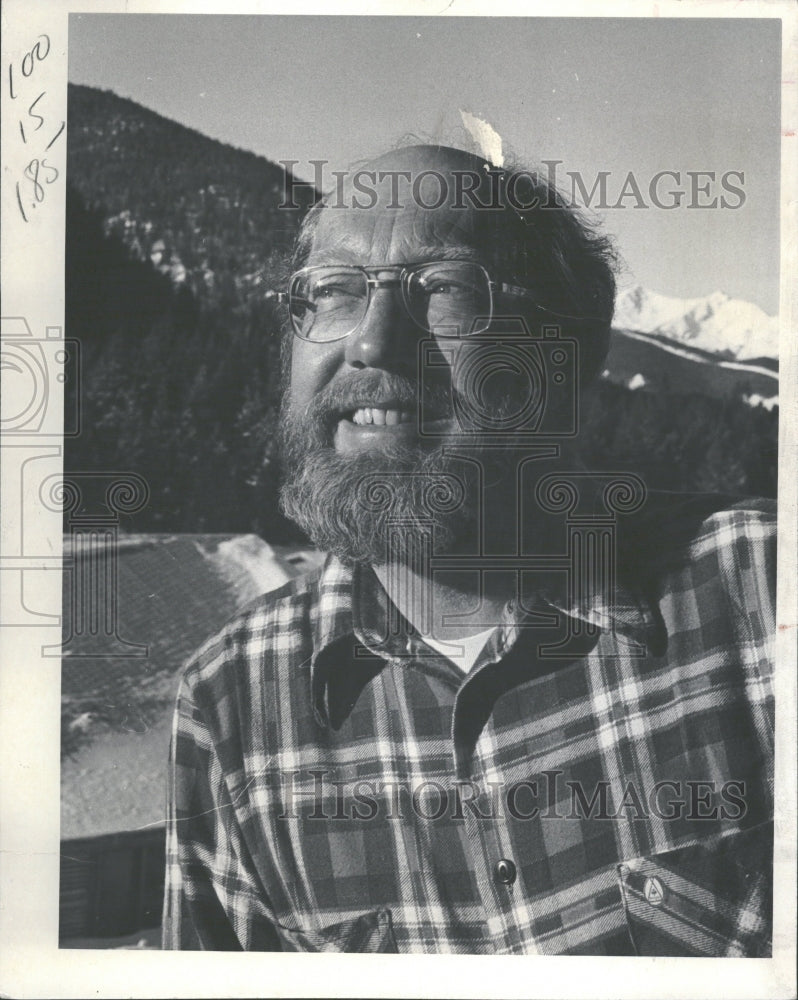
pixel 623 609
pixel 356 626
pixel 353 605
pixel 333 615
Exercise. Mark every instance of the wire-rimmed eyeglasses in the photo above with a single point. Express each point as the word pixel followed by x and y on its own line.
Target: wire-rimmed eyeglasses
pixel 449 298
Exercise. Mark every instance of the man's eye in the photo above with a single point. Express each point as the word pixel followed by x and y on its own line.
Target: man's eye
pixel 334 293
pixel 449 288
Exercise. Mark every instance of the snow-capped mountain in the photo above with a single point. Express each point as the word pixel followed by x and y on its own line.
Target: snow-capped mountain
pixel 718 324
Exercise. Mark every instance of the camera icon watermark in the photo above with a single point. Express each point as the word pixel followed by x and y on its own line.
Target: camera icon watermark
pixel 508 386
pixel 40 406
pixel 31 368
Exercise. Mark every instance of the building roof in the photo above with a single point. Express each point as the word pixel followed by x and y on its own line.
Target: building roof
pixel 120 668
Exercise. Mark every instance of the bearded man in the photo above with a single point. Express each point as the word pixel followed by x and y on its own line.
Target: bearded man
pixel 525 706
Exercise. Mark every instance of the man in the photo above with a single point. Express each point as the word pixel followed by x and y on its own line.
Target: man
pixel 524 707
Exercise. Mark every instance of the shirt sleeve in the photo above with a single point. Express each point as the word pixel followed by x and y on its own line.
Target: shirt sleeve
pixel 748 564
pixel 213 899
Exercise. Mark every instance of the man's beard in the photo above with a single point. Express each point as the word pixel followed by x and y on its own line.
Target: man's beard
pixel 383 505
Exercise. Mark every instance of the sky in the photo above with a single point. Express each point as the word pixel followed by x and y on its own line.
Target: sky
pixel 599 94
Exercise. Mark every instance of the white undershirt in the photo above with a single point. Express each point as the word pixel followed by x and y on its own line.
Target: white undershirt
pixel 461 652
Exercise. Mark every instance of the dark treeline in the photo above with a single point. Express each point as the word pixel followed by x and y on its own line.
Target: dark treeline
pixel 182 394
pixel 172 242
pixel 205 214
pixel 684 443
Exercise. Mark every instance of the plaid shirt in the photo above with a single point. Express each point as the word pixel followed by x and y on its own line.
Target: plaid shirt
pixel 600 782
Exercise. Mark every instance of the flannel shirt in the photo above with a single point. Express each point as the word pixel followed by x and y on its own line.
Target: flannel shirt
pixel 600 782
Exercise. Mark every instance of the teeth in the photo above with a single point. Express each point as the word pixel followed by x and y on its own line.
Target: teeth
pixel 380 417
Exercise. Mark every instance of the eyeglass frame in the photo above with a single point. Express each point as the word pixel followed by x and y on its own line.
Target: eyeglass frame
pixel 494 287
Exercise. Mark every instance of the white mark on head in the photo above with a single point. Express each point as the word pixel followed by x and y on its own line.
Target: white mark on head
pixel 486 138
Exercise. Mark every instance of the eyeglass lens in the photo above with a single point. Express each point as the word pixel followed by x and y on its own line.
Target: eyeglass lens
pixel 451 298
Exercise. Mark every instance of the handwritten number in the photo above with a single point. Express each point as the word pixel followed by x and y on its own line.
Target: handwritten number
pixel 32 173
pixel 31 113
pixel 49 166
pixel 41 56
pixel 19 202
pixel 55 137
pixel 29 61
pixel 37 170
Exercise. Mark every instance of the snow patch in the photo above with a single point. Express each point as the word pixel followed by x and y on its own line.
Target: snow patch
pixel 246 560
pixel 754 399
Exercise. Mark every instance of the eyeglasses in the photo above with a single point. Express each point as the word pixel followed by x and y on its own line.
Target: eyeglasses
pixel 450 298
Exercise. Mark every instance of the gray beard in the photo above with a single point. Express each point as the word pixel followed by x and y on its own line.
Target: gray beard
pixel 391 504
pixel 378 508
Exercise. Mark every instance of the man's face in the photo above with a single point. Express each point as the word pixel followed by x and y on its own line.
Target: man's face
pixel 375 368
pixel 351 409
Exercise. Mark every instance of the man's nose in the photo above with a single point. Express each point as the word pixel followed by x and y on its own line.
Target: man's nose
pixel 384 337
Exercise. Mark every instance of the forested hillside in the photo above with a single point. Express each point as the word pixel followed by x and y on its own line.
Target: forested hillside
pixel 172 242
pixel 203 213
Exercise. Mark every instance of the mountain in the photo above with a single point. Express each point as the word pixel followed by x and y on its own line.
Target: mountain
pixel 717 324
pixel 202 213
pixel 647 361
pixel 172 242
pixel 715 346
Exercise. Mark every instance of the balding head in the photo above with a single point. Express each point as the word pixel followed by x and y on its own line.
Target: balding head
pixel 519 228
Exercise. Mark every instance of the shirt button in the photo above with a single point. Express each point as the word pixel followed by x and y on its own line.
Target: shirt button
pixel 654 891
pixel 505 871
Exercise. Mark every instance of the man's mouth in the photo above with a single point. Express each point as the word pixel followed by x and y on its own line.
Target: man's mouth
pixel 381 416
pixel 363 426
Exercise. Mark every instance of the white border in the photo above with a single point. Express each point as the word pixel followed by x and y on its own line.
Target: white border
pixel 30 963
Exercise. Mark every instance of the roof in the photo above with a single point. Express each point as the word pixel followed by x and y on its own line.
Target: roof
pixel 119 684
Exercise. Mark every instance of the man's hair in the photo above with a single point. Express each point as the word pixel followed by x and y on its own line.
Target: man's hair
pixel 532 237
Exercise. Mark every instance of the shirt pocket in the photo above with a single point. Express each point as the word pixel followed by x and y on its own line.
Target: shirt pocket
pixel 369 932
pixel 704 899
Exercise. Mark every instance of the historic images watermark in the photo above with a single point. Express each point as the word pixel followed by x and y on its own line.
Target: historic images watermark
pixel 317 794
pixel 466 189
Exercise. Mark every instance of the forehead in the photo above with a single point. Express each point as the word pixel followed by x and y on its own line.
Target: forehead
pixel 383 233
